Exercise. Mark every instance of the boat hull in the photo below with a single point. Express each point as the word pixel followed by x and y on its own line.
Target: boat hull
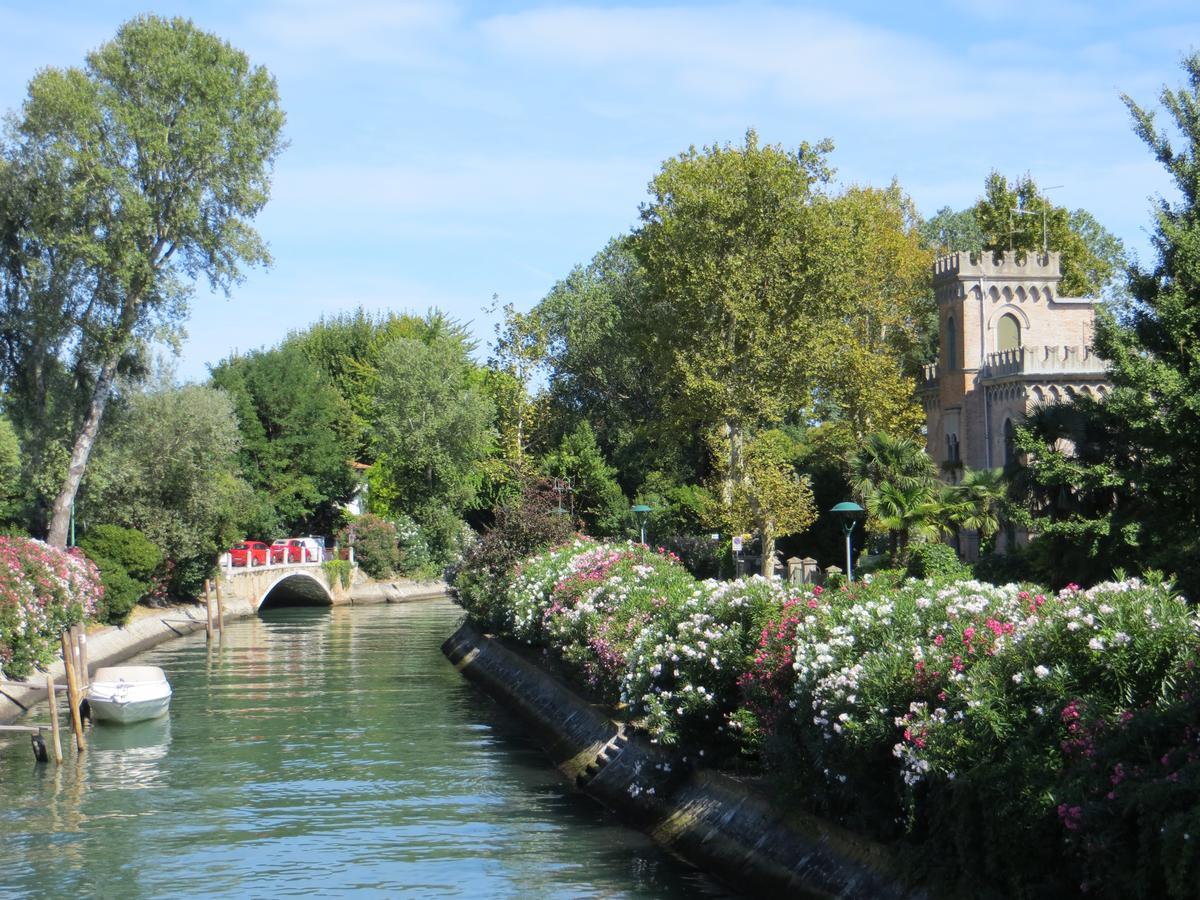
pixel 129 694
pixel 133 711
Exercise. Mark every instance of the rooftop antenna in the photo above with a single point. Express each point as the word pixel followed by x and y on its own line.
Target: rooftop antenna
pixel 1030 212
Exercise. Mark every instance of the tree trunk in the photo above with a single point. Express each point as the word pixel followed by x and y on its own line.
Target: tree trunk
pixel 61 519
pixel 768 553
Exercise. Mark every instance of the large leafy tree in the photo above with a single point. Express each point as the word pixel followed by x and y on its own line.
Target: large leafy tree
pixel 434 428
pixel 1017 215
pixel 347 348
pixel 296 441
pixel 125 180
pixel 167 467
pixel 604 367
pixel 723 248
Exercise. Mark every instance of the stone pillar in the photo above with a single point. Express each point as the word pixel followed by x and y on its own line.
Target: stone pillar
pixel 810 572
pixel 795 571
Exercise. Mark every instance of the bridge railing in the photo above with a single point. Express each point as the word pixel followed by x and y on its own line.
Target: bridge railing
pixel 225 561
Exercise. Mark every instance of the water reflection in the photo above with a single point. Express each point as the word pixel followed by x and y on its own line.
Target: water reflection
pixel 318 752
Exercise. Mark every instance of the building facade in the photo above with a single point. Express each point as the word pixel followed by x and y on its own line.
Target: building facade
pixel 1007 343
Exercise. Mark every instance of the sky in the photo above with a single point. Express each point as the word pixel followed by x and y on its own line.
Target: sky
pixel 442 154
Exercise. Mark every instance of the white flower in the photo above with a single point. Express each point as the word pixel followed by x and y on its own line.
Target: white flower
pixel 1018 678
pixel 1041 672
pixel 1096 643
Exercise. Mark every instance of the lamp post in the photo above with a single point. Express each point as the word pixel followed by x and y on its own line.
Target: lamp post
pixel 847 512
pixel 560 485
pixel 642 511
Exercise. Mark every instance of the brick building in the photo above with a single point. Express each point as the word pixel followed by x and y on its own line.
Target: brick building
pixel 1007 342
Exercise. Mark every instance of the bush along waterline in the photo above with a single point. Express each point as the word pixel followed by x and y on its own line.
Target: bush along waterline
pixel 43 590
pixel 1011 741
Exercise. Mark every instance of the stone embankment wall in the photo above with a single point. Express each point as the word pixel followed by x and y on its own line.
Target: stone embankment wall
pixel 718 824
pixel 113 644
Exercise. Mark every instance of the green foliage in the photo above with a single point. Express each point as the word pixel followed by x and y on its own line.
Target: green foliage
pixel 43 591
pixel 894 478
pixel 346 349
pixel 952 717
pixel 121 591
pixel 128 547
pixel 1012 567
pixel 433 429
pixel 593 494
pixel 338 571
pixel 295 444
pixel 128 562
pixel 376 548
pixel 769 496
pixel 130 177
pixel 522 526
pixel 934 561
pixel 166 465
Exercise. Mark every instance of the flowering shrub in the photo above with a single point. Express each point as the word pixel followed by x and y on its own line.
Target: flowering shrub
pixel 995 723
pixel 42 591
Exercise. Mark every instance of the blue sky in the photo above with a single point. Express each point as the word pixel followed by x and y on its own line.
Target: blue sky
pixel 444 152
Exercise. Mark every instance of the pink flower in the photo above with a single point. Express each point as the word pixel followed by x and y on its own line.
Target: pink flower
pixel 939 640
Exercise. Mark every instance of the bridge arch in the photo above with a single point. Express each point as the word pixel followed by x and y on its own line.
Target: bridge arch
pixel 295 589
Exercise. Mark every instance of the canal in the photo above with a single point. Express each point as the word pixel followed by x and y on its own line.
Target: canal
pixel 317 752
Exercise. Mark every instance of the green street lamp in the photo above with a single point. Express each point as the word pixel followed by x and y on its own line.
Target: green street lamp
pixel 642 511
pixel 848 512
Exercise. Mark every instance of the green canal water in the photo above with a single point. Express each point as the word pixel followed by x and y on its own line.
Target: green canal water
pixel 318 752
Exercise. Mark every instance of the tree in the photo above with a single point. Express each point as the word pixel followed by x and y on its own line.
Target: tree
pixel 595 496
pixel 295 440
pixel 771 497
pixel 1131 485
pixel 895 479
pixel 433 427
pixel 949 230
pixel 1076 490
pixel 722 245
pixel 603 367
pixel 156 157
pixel 167 467
pixel 347 349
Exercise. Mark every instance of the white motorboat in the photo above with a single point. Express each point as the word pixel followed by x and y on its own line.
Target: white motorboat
pixel 128 694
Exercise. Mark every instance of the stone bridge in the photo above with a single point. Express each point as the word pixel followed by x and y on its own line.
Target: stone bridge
pixel 280 584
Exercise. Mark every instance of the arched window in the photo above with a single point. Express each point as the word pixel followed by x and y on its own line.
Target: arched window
pixel 1008 333
pixel 1009 445
pixel 951 346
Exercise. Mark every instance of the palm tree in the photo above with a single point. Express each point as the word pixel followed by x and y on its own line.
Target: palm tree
pixel 895 479
pixel 905 513
pixel 983 493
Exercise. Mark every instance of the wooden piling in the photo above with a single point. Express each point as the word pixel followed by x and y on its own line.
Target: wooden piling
pixel 220 608
pixel 54 729
pixel 208 610
pixel 85 676
pixel 73 692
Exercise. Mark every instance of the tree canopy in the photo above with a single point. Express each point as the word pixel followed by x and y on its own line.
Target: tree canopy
pixel 123 181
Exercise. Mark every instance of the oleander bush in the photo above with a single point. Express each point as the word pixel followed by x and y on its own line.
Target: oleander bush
pixel 42 591
pixel 983 727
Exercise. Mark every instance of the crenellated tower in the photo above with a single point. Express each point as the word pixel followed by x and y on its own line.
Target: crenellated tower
pixel 1007 342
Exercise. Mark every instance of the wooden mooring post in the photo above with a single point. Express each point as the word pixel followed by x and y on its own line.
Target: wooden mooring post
pixel 73 692
pixel 220 607
pixel 54 729
pixel 208 610
pixel 81 663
